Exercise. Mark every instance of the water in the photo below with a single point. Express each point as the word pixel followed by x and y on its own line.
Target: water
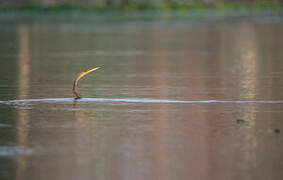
pixel 166 103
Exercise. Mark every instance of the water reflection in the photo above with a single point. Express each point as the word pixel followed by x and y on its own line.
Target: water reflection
pixel 86 125
pixel 247 69
pixel 164 106
pixel 23 91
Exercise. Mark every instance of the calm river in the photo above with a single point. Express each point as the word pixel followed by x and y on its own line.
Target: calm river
pixel 197 98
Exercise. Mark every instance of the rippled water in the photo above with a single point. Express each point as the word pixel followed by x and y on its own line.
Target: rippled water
pixel 175 98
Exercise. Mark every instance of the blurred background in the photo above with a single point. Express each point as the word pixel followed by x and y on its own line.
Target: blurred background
pixel 108 2
pixel 126 1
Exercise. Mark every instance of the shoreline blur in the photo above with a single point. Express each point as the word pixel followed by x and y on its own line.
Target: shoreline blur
pixel 57 7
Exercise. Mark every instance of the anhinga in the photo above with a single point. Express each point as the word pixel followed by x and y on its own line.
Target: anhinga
pixel 76 81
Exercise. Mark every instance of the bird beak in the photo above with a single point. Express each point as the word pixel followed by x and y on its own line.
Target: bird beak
pixel 91 70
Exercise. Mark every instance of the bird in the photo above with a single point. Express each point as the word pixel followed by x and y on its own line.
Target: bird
pixel 76 81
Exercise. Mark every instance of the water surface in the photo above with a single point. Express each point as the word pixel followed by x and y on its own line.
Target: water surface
pixel 165 104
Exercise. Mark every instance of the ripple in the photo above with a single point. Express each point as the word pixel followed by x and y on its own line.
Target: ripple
pixel 14 150
pixel 141 101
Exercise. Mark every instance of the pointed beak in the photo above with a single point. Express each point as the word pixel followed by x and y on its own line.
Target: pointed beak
pixel 91 70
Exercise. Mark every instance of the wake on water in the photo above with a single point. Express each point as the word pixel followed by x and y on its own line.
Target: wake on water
pixel 55 100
